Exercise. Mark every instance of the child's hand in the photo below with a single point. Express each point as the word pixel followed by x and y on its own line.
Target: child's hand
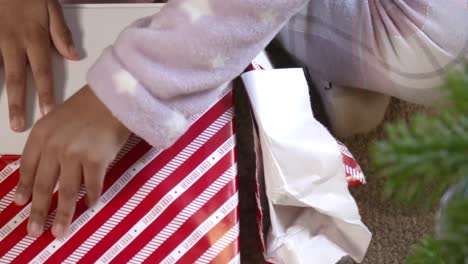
pixel 73 144
pixel 26 28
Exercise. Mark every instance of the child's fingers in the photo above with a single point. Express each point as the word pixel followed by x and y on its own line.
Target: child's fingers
pixel 44 184
pixel 93 179
pixel 15 75
pixel 39 55
pixel 69 186
pixel 60 33
pixel 29 163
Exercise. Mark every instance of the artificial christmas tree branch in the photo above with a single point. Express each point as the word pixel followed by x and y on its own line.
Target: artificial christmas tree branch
pixel 423 159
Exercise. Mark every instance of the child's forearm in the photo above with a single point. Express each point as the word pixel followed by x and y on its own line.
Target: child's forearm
pixel 165 68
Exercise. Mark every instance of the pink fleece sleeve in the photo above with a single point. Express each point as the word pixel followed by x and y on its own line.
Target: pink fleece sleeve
pixel 165 68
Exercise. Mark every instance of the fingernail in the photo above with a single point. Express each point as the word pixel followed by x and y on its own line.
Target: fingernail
pixel 20 199
pixel 74 51
pixel 58 230
pixel 34 229
pixel 17 123
pixel 89 203
pixel 46 109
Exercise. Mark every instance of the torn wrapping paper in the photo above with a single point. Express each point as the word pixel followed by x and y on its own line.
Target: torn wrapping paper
pixel 313 217
pixel 179 205
pixel 353 171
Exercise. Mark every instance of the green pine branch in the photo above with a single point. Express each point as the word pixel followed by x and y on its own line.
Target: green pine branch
pixel 452 248
pixel 456 88
pixel 422 159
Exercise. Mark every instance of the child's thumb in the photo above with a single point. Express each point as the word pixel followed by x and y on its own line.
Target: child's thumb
pixel 60 34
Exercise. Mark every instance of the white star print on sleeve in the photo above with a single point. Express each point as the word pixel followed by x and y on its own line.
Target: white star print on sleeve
pixel 165 68
pixel 197 9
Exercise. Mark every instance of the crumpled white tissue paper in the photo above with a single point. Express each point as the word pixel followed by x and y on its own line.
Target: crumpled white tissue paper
pixel 314 219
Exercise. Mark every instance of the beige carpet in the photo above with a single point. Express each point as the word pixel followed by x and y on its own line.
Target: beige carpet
pixel 394 229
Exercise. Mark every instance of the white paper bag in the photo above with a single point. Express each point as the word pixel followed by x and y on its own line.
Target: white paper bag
pixel 314 219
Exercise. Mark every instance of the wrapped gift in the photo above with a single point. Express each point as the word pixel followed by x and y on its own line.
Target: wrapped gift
pixel 177 205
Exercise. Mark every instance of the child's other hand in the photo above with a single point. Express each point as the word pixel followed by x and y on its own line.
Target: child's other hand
pixel 75 143
pixel 26 28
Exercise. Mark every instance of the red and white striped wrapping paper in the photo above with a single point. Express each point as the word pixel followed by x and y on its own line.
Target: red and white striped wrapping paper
pixel 179 205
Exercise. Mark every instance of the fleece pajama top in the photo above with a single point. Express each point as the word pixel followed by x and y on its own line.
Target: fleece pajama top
pixel 163 69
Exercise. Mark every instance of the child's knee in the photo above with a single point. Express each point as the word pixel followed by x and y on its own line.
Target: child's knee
pixel 428 39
